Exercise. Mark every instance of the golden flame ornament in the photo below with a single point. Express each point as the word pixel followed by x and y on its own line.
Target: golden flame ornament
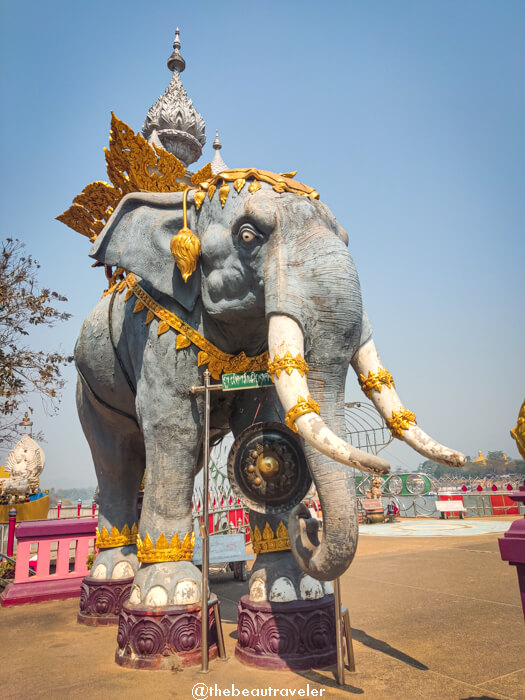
pixel 185 246
pixel 268 541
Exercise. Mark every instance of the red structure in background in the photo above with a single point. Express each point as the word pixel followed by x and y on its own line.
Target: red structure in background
pixel 226 511
pixel 503 505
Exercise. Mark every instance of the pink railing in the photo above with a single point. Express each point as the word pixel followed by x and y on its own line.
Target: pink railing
pixel 72 539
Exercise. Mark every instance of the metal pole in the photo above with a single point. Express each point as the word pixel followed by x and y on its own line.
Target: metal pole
pixel 339 634
pixel 349 641
pixel 204 527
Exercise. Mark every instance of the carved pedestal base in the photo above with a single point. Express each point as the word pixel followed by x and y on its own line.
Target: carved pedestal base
pixel 167 638
pixel 101 600
pixel 297 635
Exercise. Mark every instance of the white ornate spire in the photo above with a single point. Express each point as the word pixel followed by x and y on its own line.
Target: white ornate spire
pixel 173 122
pixel 217 164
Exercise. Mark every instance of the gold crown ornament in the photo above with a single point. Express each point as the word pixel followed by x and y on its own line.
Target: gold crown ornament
pixel 162 550
pixel 116 538
pixel 268 541
pixel 133 165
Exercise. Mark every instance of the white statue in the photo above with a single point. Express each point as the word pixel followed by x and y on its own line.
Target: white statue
pixel 24 463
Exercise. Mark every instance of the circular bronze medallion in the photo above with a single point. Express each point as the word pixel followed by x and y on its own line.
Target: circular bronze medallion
pixel 267 468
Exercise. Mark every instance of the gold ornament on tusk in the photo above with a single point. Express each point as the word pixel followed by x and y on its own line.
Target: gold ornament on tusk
pixel 376 381
pixel 287 363
pixel 401 420
pixel 302 407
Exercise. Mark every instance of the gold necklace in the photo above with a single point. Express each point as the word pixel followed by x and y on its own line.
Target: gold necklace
pixel 218 361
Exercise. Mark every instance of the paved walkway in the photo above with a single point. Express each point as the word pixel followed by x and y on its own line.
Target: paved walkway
pixel 435 528
pixel 433 618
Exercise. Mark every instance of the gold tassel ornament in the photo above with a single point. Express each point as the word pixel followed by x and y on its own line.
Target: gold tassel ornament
pixel 185 246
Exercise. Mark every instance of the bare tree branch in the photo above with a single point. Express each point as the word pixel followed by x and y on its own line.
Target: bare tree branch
pixel 23 303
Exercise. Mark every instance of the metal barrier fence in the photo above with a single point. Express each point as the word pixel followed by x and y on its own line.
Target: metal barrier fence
pixel 476 505
pixel 226 513
pixel 70 512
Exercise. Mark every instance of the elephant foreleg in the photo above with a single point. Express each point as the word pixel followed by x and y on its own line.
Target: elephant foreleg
pixel 167 575
pixel 117 448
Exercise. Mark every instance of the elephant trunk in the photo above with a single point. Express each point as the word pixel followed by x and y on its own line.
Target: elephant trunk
pixel 366 363
pixel 327 454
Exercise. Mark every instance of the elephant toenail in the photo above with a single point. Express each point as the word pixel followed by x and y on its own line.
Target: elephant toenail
pixel 311 589
pixel 134 598
pixel 282 591
pixel 100 571
pixel 156 597
pixel 258 590
pixel 186 592
pixel 123 570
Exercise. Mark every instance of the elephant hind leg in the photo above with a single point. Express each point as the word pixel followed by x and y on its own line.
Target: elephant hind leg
pixel 117 448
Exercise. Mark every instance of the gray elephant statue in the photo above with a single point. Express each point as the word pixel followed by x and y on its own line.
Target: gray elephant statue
pixel 247 271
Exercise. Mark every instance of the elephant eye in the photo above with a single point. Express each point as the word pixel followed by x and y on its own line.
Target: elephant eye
pixel 247 233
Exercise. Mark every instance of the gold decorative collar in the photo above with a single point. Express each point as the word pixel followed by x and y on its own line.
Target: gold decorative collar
pixel 218 361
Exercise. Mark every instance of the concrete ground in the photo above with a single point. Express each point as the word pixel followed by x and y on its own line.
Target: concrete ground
pixel 437 618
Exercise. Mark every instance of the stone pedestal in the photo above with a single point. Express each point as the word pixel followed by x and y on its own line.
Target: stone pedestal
pixel 164 638
pixel 512 545
pixel 101 600
pixel 298 635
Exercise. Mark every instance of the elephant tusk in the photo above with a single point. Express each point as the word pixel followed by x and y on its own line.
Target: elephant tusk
pixel 366 362
pixel 285 336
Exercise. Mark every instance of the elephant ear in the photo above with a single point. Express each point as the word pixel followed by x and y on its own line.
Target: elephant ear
pixel 137 238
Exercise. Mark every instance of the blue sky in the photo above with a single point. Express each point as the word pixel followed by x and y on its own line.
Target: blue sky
pixel 407 117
